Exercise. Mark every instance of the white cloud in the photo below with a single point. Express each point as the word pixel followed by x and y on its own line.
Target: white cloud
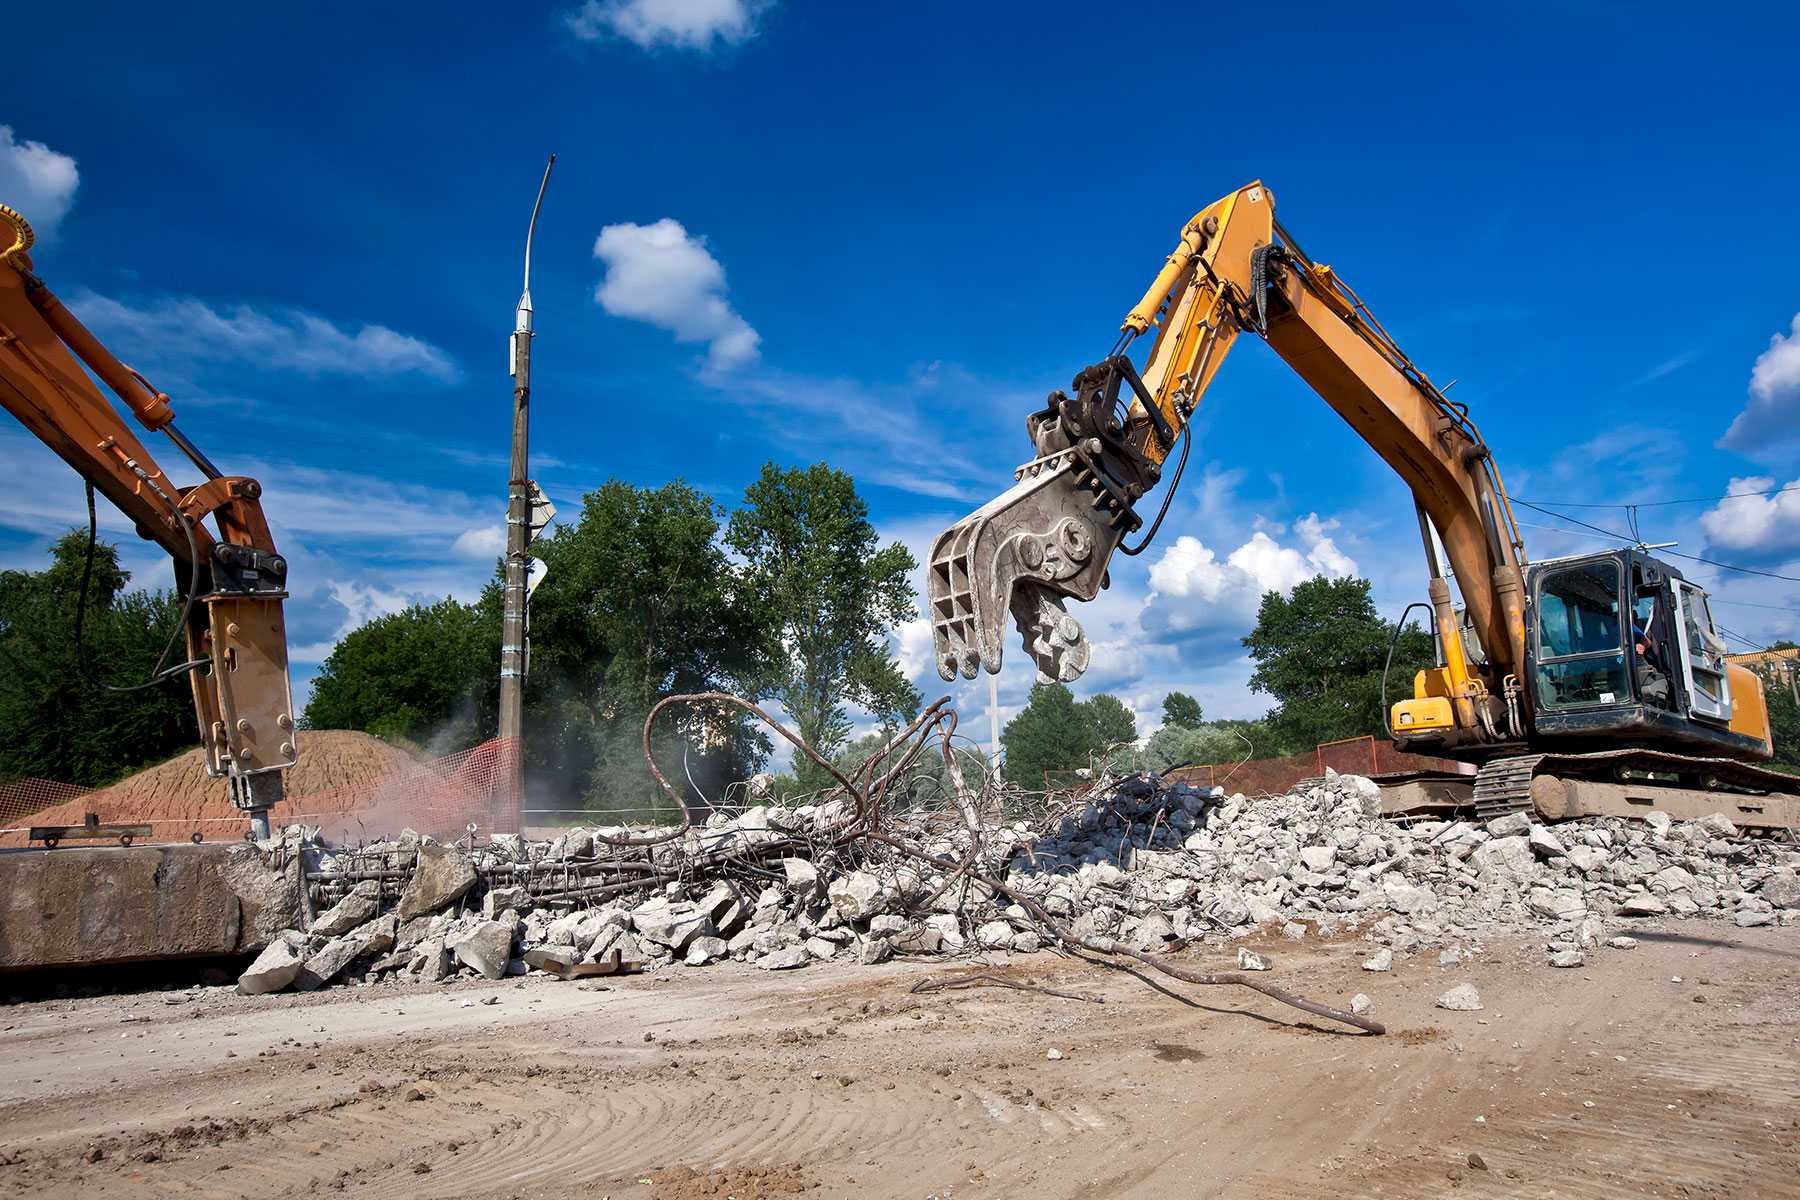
pixel 683 24
pixel 1193 590
pixel 912 646
pixel 37 181
pixel 1763 525
pixel 481 541
pixel 174 329
pixel 1773 414
pixel 663 275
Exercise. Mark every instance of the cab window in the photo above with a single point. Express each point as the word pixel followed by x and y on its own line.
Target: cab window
pixel 1581 645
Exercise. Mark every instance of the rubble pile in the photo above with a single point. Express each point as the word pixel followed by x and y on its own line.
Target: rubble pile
pixel 1146 864
pixel 1323 856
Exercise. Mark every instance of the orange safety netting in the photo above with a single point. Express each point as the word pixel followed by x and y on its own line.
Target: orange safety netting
pixel 441 797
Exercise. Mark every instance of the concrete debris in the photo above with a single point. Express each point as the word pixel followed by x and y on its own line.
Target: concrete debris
pixel 1361 1004
pixel 442 876
pixel 360 905
pixel 703 950
pixel 1782 888
pixel 484 947
pixel 1461 998
pixel 1158 867
pixel 274 969
pixel 782 960
pixel 330 960
pixel 1249 960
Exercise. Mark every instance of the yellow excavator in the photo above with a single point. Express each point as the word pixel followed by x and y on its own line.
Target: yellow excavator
pixel 1585 685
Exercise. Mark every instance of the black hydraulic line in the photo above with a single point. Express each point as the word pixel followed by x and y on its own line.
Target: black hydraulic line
pixel 1399 625
pixel 1187 439
pixel 157 673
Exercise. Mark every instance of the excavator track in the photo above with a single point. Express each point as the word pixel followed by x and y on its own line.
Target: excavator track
pixel 1635 782
pixel 1503 785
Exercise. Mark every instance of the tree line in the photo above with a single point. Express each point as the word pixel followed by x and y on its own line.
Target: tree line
pixel 1319 652
pixel 652 591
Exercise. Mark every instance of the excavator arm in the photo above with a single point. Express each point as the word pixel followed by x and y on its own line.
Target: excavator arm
pixel 237 581
pixel 1050 538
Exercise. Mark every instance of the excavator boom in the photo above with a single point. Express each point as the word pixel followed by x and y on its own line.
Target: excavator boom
pixel 235 636
pixel 1579 658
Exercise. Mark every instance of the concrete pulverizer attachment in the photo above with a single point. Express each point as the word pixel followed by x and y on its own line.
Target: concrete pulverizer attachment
pixel 1046 539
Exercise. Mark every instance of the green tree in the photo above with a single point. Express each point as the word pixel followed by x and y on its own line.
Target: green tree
pixel 425 675
pixel 824 594
pixel 1319 653
pixel 1784 713
pixel 1055 733
pixel 55 722
pixel 1110 721
pixel 1181 710
pixel 927 781
pixel 638 602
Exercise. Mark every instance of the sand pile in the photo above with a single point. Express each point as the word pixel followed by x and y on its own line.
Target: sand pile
pixel 339 770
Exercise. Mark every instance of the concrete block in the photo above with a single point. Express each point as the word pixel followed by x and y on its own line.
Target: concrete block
pixel 443 876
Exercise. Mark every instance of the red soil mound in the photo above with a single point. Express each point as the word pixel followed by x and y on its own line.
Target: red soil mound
pixel 338 771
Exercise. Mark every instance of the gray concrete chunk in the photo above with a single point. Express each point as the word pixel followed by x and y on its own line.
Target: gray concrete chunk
pixel 485 947
pixel 1461 998
pixel 274 969
pixel 357 906
pixel 786 959
pixel 443 876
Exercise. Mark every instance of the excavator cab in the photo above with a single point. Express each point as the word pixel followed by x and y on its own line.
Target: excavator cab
pixel 1622 645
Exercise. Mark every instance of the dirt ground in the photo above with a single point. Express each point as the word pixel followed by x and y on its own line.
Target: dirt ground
pixel 1671 1070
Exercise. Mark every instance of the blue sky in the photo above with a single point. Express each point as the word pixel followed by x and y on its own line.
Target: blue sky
pixel 877 235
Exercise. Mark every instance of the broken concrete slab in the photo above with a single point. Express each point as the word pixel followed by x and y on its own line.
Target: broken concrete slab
pixel 325 965
pixel 703 950
pixel 91 905
pixel 1643 904
pixel 274 969
pixel 671 925
pixel 358 905
pixel 785 959
pixel 1461 998
pixel 859 896
pixel 484 946
pixel 443 876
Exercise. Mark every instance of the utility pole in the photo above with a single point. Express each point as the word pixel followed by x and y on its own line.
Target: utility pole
pixel 519 528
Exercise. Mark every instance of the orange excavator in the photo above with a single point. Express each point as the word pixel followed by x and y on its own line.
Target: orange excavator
pixel 231 583
pixel 1577 686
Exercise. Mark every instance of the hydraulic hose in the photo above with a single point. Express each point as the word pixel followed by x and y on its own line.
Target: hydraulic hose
pixel 1399 625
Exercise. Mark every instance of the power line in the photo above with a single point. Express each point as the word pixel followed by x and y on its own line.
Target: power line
pixel 1623 537
pixel 1792 487
pixel 1728 567
pixel 1783 608
pixel 1740 637
pixel 1629 540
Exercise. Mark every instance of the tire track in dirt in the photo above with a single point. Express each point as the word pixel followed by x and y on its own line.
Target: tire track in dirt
pixel 1697 1120
pixel 510 1134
